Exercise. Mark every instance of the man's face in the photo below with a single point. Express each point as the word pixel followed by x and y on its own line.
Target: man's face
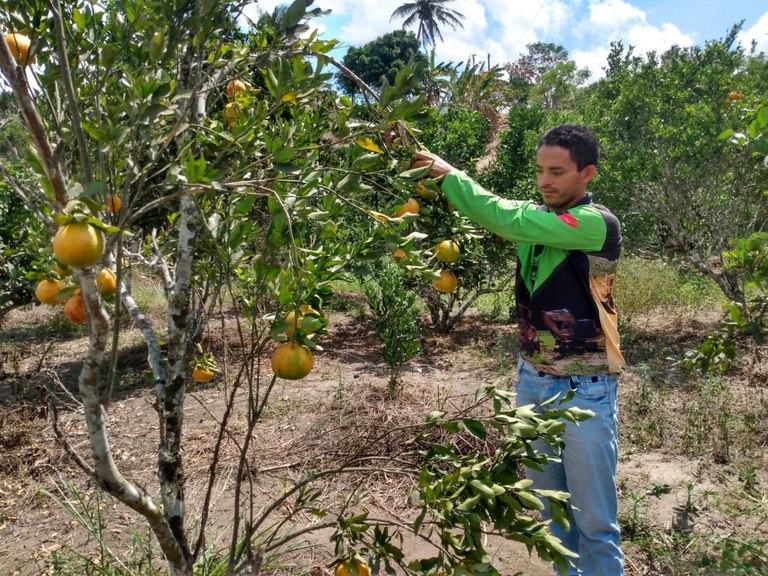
pixel 562 185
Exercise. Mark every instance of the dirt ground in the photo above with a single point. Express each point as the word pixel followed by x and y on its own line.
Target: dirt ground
pixel 340 401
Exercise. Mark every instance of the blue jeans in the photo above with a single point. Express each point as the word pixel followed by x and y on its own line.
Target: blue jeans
pixel 588 467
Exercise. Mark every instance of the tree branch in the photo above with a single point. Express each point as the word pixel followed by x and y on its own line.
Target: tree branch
pixel 20 87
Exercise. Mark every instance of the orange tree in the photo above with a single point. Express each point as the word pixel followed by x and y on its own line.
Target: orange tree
pixel 128 100
pixel 22 250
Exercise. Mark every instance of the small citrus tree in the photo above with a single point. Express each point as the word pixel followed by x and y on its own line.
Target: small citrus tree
pixel 219 159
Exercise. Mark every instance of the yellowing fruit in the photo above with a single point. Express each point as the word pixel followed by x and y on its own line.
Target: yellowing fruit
pixel 410 207
pixel 74 309
pixel 292 361
pixel 202 374
pixel 447 251
pixel 106 282
pixel 19 45
pixel 114 203
pixel 78 244
pixel 292 322
pixel 232 113
pixel 48 290
pixel 343 569
pixel 446 283
pixel 235 87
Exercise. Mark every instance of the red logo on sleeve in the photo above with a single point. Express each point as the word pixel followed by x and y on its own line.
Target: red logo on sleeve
pixel 568 219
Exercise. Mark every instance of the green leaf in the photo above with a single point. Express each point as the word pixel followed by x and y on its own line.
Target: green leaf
pixel 416 173
pixel 474 427
pixel 294 14
pixel 469 503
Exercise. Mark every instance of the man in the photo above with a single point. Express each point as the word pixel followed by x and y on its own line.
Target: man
pixel 568 251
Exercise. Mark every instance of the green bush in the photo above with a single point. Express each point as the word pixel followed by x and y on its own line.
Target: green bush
pixel 396 316
pixel 457 134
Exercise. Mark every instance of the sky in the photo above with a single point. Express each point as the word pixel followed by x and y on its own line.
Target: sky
pixel 499 30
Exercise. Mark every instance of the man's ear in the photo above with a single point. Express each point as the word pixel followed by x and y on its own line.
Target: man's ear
pixel 588 173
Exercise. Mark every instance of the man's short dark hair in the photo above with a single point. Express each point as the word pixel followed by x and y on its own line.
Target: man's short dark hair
pixel 578 139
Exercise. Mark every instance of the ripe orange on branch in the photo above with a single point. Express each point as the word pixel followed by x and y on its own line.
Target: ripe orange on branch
pixel 293 323
pixel 114 203
pixel 343 569
pixel 446 283
pixel 232 113
pixel 235 87
pixel 106 282
pixel 74 309
pixel 202 374
pixel 410 207
pixel 447 251
pixel 19 45
pixel 47 290
pixel 292 361
pixel 78 244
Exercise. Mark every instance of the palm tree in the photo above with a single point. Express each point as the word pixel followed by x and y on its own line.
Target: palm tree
pixel 430 15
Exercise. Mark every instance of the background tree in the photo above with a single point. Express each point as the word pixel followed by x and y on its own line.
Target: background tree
pixel 680 190
pixel 543 59
pixel 430 15
pixel 380 60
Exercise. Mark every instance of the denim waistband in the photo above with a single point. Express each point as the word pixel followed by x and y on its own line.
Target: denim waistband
pixel 525 366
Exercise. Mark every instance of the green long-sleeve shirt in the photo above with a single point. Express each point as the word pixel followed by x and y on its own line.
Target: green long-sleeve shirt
pixel 566 267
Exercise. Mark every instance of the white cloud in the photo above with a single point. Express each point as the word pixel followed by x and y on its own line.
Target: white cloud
pixel 501 29
pixel 613 15
pixel 758 33
pixel 646 38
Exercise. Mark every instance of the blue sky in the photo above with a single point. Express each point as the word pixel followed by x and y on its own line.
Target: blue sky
pixel 499 30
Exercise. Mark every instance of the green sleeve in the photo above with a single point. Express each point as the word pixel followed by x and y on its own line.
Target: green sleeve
pixel 522 221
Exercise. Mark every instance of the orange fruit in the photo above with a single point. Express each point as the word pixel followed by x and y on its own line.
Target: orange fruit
pixel 235 87
pixel 446 283
pixel 114 203
pixel 399 253
pixel 74 309
pixel 292 322
pixel 47 290
pixel 232 112
pixel 343 569
pixel 447 251
pixel 78 244
pixel 410 207
pixel 292 361
pixel 19 45
pixel 106 282
pixel 202 374
pixel 424 192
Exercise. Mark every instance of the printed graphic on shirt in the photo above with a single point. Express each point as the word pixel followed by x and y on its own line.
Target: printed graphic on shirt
pixel 569 332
